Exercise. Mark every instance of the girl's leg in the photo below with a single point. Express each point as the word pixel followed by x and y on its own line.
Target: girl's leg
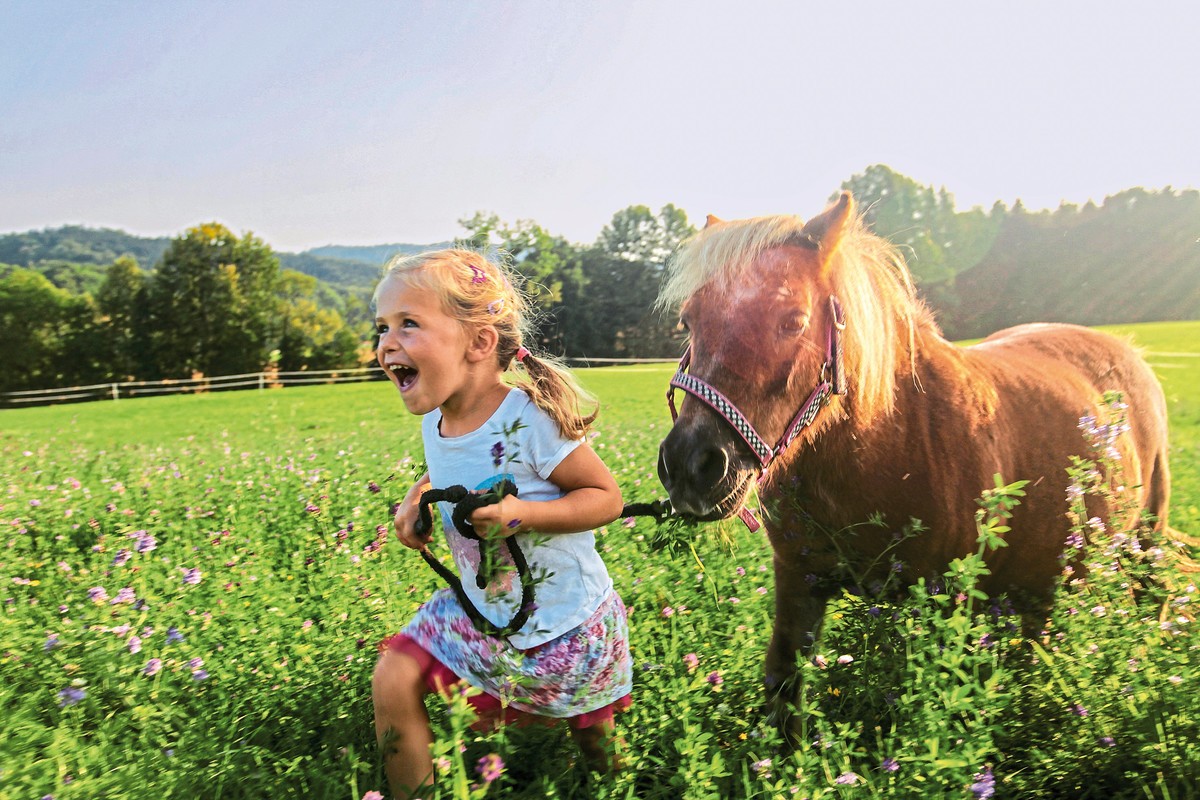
pixel 600 746
pixel 402 723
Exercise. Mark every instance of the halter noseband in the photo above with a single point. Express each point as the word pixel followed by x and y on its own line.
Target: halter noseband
pixel 832 382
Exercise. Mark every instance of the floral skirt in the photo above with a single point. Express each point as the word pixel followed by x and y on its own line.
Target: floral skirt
pixel 583 675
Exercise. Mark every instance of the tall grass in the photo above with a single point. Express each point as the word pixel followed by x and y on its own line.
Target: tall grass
pixel 193 587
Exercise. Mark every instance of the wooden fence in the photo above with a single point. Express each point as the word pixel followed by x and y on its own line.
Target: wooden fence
pixel 249 380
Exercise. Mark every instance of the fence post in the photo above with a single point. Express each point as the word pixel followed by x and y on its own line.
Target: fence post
pixel 260 381
pixel 116 394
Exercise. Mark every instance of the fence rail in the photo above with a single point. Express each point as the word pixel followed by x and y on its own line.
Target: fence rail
pixel 249 380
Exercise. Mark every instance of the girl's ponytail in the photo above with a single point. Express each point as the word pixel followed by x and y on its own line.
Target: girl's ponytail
pixel 553 389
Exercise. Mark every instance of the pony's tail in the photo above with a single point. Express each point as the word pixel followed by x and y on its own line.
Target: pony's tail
pixel 553 389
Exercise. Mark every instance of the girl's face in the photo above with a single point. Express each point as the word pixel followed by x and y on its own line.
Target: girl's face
pixel 422 349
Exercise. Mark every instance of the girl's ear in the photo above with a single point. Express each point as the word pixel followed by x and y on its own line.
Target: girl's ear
pixel 482 345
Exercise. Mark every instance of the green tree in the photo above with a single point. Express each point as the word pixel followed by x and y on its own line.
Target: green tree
pixel 121 303
pixel 938 242
pixel 213 305
pixel 623 271
pixel 311 337
pixel 36 320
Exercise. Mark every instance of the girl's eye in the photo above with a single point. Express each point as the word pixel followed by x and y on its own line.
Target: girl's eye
pixel 381 329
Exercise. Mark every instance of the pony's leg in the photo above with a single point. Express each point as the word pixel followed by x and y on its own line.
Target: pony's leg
pixel 798 617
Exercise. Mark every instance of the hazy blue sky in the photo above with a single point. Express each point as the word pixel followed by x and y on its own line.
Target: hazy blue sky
pixel 367 122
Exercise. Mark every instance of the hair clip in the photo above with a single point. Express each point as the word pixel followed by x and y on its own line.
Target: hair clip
pixel 477 275
pixel 496 306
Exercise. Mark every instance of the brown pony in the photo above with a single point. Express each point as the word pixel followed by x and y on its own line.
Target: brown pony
pixel 910 425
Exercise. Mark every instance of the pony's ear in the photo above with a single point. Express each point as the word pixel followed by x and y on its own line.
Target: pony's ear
pixel 712 221
pixel 825 229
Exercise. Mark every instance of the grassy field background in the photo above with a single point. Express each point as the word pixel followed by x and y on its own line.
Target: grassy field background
pixel 193 587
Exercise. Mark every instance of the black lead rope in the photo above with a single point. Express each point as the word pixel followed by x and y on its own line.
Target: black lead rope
pixel 465 503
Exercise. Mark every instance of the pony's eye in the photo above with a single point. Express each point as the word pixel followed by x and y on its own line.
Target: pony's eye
pixel 797 323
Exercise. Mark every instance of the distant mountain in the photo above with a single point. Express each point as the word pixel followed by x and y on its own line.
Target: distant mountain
pixel 351 270
pixel 377 254
pixel 79 245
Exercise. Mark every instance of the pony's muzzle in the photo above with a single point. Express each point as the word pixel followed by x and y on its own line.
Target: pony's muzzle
pixel 701 472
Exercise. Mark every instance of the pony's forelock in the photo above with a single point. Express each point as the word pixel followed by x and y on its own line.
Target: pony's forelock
pixel 720 252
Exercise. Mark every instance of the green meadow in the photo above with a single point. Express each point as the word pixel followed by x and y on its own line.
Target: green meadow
pixel 193 588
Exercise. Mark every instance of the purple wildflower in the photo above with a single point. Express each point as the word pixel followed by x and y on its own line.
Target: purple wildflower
pixel 173 635
pixel 124 595
pixel 490 767
pixel 984 786
pixel 199 675
pixel 51 642
pixel 146 543
pixel 373 488
pixel 310 508
pixel 847 779
pixel 762 768
pixel 692 660
pixel 513 524
pixel 715 678
pixel 134 644
pixel 889 764
pixel 153 667
pixel 372 795
pixel 97 594
pixel 70 696
pixel 191 576
pixel 123 555
pixel 498 454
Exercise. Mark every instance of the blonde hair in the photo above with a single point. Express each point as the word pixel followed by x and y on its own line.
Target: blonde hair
pixel 478 292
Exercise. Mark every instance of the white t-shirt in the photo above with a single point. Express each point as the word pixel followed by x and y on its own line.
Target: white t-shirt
pixel 521 443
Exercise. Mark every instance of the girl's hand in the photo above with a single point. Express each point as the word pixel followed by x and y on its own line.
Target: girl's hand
pixel 407 514
pixel 501 519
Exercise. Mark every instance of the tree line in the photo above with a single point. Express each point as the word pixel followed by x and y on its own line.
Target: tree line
pixel 77 306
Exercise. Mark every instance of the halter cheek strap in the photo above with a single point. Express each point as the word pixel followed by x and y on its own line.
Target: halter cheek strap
pixel 832 381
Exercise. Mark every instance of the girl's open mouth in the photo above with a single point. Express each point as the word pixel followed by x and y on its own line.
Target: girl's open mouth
pixel 405 376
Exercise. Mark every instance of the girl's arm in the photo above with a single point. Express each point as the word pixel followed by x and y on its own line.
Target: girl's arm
pixel 592 499
pixel 406 516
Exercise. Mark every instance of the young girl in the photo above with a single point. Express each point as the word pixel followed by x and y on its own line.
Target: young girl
pixel 450 325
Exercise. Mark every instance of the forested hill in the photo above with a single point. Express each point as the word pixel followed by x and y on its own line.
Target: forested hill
pixel 374 255
pixel 1136 258
pixel 55 252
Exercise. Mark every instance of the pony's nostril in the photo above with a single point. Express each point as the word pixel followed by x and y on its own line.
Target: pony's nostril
pixel 710 466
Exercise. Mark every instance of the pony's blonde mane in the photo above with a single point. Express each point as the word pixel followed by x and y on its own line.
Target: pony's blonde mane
pixel 867 274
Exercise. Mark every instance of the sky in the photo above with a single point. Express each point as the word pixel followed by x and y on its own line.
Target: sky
pixel 350 122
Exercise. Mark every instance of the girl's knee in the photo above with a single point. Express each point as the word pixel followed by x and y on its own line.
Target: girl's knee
pixel 398 676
